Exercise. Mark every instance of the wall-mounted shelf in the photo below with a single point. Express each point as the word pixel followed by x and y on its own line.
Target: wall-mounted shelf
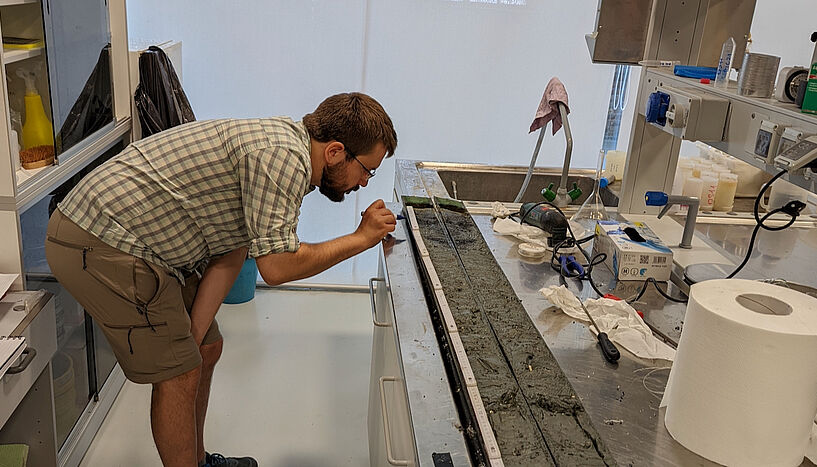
pixel 16 2
pixel 15 55
pixel 743 120
pixel 762 104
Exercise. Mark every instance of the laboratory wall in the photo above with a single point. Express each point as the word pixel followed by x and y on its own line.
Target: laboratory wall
pixel 461 78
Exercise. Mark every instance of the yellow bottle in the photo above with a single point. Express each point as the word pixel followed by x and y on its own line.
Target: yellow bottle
pixel 37 129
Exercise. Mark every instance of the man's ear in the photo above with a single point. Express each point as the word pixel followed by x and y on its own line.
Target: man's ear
pixel 334 153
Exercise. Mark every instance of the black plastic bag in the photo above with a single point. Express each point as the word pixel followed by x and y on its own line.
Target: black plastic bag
pixel 160 99
pixel 93 108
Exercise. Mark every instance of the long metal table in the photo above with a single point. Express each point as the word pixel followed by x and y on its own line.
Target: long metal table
pixel 623 400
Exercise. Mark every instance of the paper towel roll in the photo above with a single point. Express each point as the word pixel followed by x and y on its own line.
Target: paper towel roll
pixel 743 387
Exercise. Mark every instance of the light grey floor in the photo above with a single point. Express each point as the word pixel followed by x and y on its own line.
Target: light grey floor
pixel 291 388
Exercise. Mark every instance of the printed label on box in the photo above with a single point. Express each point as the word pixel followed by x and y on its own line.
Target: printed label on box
pixel 633 251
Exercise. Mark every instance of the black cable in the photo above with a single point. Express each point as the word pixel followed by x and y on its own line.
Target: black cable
pixel 792 209
pixel 594 261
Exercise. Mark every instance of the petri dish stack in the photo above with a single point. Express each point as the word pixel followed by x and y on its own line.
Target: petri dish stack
pixel 757 75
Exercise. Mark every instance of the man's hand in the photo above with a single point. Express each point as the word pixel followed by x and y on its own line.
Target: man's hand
pixel 377 222
pixel 312 258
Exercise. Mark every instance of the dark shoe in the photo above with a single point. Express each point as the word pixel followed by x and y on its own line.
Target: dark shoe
pixel 217 460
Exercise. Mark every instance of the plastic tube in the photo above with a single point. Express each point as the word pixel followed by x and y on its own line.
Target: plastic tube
pixel 532 165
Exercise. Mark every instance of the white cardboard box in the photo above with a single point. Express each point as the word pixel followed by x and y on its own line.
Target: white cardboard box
pixel 631 257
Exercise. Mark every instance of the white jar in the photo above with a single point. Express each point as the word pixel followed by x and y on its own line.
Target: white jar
pixel 725 194
pixel 708 191
pixel 683 172
pixel 614 162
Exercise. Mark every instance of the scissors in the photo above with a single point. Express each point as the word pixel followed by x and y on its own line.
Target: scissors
pixel 570 267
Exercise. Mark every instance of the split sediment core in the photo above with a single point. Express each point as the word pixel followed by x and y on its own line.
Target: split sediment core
pixel 536 416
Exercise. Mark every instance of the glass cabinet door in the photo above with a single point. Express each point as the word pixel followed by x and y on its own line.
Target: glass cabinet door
pixel 83 360
pixel 78 37
pixel 70 363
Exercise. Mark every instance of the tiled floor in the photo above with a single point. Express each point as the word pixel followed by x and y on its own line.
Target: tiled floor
pixel 291 388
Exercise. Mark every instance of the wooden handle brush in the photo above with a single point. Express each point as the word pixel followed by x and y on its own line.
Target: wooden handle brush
pixel 37 157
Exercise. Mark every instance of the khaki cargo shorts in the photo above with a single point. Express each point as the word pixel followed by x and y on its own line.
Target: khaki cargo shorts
pixel 141 308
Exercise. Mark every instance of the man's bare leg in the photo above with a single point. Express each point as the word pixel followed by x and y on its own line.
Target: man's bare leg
pixel 173 418
pixel 210 354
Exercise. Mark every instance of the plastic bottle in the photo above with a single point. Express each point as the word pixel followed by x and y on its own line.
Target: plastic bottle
pixel 725 194
pixel 725 63
pixel 37 129
pixel 692 187
pixel 710 187
pixel 701 168
pixel 614 162
pixel 683 172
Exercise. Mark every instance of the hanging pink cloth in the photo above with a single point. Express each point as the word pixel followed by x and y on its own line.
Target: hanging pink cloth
pixel 555 93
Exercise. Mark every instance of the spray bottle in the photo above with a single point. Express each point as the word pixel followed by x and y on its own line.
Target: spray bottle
pixel 37 129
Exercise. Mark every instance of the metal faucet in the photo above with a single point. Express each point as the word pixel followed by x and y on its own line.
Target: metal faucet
pixel 659 198
pixel 562 198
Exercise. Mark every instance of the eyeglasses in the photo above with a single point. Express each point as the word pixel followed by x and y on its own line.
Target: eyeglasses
pixel 369 172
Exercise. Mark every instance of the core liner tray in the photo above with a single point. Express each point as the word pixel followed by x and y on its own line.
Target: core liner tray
pixel 519 407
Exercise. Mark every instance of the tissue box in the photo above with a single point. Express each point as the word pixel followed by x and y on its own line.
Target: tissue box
pixel 633 251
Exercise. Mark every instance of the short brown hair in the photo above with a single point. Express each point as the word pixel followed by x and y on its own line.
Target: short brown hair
pixel 354 119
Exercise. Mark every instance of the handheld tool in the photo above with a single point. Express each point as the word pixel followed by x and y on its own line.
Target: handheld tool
pixel 399 217
pixel 609 349
pixel 549 220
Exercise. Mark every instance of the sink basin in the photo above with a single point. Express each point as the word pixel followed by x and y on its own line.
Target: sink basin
pixel 504 185
pixel 482 184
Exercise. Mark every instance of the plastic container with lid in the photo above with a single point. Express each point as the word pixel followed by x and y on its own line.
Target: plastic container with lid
pixel 692 187
pixel 725 194
pixel 683 172
pixel 708 190
pixel 701 168
pixel 750 179
pixel 614 162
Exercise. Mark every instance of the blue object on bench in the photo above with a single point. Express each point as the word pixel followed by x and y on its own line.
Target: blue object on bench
pixel 698 72
pixel 244 286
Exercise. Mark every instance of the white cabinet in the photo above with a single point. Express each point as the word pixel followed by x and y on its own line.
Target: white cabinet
pixel 391 439
pixel 76 51
pixel 26 407
pixel 80 71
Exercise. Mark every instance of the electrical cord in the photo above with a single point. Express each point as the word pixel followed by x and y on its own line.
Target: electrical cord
pixel 591 261
pixel 792 209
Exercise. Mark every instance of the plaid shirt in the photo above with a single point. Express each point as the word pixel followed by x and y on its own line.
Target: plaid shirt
pixel 199 190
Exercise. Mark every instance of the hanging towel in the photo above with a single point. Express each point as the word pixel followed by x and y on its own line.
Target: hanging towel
pixel 548 110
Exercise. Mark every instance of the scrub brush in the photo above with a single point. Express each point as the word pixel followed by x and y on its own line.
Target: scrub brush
pixel 37 157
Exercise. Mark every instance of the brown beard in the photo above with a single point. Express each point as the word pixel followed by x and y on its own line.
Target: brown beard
pixel 331 180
